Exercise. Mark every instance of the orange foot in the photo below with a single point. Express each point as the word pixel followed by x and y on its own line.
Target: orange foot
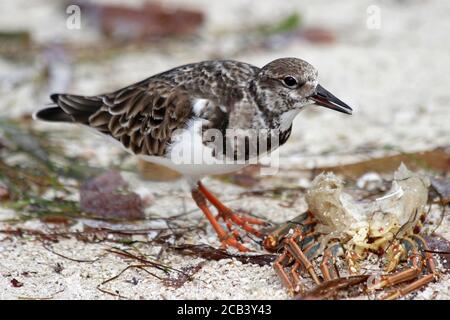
pixel 232 238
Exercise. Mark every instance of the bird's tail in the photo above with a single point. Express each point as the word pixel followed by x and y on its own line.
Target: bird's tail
pixel 52 114
pixel 69 108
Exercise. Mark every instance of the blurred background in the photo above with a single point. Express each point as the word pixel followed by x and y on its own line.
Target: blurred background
pixel 388 59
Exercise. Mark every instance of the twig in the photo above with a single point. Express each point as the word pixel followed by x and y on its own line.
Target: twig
pixel 68 258
pixel 148 263
pixel 113 278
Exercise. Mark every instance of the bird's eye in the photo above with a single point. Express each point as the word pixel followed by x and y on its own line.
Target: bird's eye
pixel 290 82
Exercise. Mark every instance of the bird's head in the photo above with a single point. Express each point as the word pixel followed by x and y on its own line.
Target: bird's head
pixel 292 83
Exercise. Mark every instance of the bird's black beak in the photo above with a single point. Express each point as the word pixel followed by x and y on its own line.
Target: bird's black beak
pixel 325 99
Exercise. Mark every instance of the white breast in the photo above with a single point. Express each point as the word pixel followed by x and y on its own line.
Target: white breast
pixel 189 156
pixel 199 105
pixel 287 118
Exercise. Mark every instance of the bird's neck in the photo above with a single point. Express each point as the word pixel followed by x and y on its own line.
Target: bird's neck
pixel 273 109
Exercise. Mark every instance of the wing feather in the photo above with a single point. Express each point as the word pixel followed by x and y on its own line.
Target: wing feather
pixel 143 117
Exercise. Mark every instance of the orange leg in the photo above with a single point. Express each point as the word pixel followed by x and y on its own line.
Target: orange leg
pixel 279 269
pixel 225 238
pixel 327 266
pixel 229 216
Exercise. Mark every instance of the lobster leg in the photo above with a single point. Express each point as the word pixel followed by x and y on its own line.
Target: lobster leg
pixel 419 283
pixel 414 260
pixel 325 265
pixel 294 273
pixel 328 266
pixel 279 266
pixel 399 277
pixel 290 279
pixel 410 288
pixel 275 239
pixel 293 248
pixel 299 247
pixel 395 253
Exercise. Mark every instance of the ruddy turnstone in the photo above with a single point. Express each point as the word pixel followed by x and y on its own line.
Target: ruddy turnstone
pixel 178 109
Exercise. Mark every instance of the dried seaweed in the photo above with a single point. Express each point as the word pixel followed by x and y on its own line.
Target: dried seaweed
pixel 211 253
pixel 276 192
pixel 21 232
pixel 182 278
pixel 101 234
pixel 181 275
pixel 141 259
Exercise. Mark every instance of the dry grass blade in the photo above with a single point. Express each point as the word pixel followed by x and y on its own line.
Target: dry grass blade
pixel 46 247
pixel 114 294
pixel 147 263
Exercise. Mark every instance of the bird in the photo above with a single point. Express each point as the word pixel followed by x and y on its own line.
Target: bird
pixel 168 118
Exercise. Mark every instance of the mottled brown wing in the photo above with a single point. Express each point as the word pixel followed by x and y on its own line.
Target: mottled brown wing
pixel 142 117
